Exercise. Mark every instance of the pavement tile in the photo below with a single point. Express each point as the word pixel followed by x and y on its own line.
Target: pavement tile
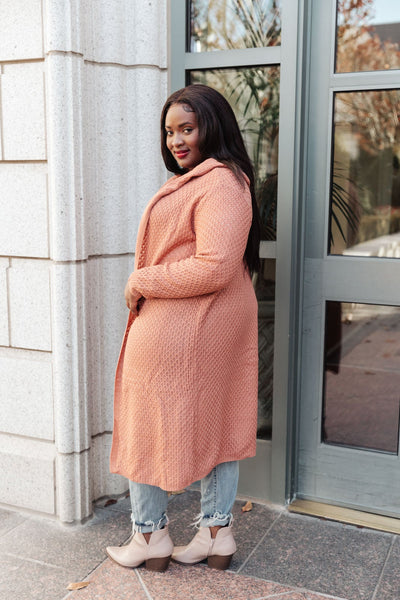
pixel 322 556
pixel 30 580
pixel 249 527
pixel 9 520
pixel 122 504
pixel 199 582
pixel 389 586
pixel 110 582
pixel 311 596
pixel 300 553
pixel 299 595
pixel 79 548
pixel 182 511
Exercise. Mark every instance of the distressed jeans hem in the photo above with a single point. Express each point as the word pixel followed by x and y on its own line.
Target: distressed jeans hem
pixel 215 519
pixel 149 526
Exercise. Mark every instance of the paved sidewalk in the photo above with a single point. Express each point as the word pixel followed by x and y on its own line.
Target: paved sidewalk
pixel 280 555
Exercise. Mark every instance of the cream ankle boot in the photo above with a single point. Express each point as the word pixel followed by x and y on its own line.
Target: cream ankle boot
pixel 218 550
pixel 156 554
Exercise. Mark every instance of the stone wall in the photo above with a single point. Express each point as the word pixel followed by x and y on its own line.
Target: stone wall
pixel 82 83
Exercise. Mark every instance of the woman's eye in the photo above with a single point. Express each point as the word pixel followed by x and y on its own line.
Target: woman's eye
pixel 169 133
pixel 188 130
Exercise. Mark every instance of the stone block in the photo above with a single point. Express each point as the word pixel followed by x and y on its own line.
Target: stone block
pixel 106 324
pixel 21 30
pixel 29 301
pixel 129 33
pixel 27 474
pixel 26 391
pixel 23 111
pixel 24 218
pixel 149 88
pixel 104 482
pixel 65 139
pixel 74 496
pixel 106 31
pixel 150 33
pixel 4 332
pixel 65 25
pixel 70 356
pixel 98 198
pixel 109 31
pixel 122 140
pixel 107 140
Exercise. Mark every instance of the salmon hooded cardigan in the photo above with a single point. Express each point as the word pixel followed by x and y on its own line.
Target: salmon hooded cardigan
pixel 187 376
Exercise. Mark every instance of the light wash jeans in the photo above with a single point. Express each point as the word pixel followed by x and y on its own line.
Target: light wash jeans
pixel 218 492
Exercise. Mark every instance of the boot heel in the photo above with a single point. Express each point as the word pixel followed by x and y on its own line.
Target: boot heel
pixel 158 564
pixel 219 562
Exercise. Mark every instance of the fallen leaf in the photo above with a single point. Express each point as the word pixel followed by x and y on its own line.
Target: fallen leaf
pixel 110 501
pixel 78 585
pixel 247 507
pixel 176 493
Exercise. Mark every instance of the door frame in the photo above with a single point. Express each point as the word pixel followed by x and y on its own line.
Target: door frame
pixel 270 475
pixel 321 82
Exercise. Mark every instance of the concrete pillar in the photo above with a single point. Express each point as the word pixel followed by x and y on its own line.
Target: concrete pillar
pixel 81 125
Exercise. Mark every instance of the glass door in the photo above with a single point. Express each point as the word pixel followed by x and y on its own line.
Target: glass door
pixel 246 50
pixel 348 451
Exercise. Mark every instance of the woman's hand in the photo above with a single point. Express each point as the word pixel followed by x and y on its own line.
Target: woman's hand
pixel 132 300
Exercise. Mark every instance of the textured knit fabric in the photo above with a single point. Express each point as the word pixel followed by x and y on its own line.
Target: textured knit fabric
pixel 186 382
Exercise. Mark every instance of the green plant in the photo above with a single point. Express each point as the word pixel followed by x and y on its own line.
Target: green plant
pixel 254 93
pixel 343 203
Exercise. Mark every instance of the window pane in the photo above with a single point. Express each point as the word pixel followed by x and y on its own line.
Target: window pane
pixel 362 376
pixel 365 191
pixel 368 35
pixel 228 24
pixel 264 284
pixel 253 94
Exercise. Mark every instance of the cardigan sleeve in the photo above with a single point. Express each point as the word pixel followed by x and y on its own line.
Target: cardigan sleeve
pixel 222 220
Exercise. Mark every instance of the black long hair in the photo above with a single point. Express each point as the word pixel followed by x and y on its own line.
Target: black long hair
pixel 219 138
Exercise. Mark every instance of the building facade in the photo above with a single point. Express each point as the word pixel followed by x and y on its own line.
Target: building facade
pixel 316 88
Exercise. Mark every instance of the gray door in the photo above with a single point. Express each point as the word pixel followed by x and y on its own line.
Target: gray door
pixel 348 451
pixel 248 51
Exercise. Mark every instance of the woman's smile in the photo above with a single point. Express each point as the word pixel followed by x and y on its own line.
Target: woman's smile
pixel 181 153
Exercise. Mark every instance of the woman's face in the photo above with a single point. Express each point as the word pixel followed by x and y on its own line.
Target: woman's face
pixel 182 133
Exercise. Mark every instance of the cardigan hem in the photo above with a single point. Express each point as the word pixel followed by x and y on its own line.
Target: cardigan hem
pixel 185 482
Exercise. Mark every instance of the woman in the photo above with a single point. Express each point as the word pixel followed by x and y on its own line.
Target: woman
pixel 186 384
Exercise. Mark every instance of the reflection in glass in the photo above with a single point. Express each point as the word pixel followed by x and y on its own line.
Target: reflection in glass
pixel 253 94
pixel 365 191
pixel 264 284
pixel 362 376
pixel 228 24
pixel 368 35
